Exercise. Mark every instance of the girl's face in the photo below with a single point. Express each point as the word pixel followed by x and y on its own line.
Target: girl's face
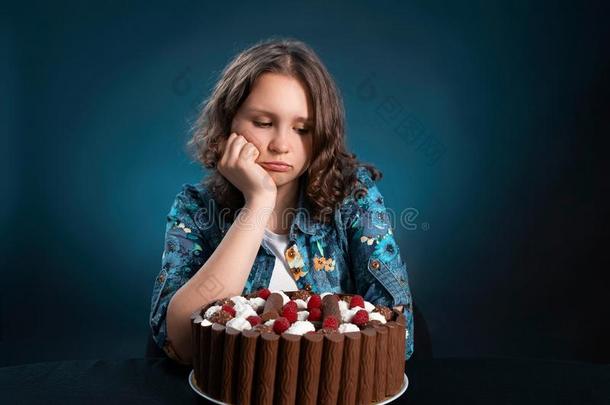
pixel 275 118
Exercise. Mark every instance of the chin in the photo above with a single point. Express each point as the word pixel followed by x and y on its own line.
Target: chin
pixel 281 179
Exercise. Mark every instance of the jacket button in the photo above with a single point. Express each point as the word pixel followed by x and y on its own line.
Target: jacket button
pixel 375 264
pixel 161 277
pixel 307 287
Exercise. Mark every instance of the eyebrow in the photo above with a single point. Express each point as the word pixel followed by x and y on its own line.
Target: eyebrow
pixel 260 110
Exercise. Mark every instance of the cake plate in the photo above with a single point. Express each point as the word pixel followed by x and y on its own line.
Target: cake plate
pixel 403 388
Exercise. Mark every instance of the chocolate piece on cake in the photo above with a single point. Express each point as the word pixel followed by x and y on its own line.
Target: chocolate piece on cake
pixel 385 311
pixel 274 302
pixel 221 317
pixel 225 301
pixel 301 295
pixel 268 315
pixel 330 307
pixel 326 331
pixel 262 328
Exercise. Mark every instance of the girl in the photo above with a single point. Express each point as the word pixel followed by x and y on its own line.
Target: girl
pixel 285 206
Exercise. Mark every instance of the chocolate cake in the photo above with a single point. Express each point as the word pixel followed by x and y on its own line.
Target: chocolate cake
pixel 298 348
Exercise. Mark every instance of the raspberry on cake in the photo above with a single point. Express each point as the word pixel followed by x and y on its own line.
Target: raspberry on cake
pixel 314 302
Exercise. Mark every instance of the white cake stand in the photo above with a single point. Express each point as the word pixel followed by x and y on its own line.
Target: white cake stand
pixel 403 388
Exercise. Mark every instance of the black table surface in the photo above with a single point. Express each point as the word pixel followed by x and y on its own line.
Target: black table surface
pixel 434 381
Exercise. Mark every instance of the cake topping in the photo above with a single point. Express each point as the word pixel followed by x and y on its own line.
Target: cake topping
pixel 300 328
pixel 330 307
pixel 327 331
pixel 239 324
pixel 280 325
pixel 254 320
pixel 262 328
pixel 257 303
pixel 314 302
pixel 211 311
pixel 348 314
pixel 348 327
pixel 300 304
pixel 301 295
pixel 315 314
pixel 360 318
pixel 225 301
pixel 376 316
pixel 385 311
pixel 368 306
pixel 275 302
pixel 285 298
pixel 330 322
pixel 244 310
pixel 290 311
pixel 264 293
pixel 238 299
pixel 300 313
pixel 270 315
pixel 325 294
pixel 221 317
pixel 229 309
pixel 356 301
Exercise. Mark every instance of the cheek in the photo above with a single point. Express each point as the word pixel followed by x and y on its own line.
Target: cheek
pixel 308 145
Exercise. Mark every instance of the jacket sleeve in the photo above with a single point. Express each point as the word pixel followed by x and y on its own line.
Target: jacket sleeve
pixel 185 250
pixel 379 271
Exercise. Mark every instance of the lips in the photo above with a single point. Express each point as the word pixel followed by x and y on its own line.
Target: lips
pixel 276 166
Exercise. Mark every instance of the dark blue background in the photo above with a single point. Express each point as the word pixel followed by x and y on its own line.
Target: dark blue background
pixel 508 213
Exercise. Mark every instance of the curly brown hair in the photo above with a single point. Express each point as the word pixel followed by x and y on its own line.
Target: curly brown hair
pixel 332 172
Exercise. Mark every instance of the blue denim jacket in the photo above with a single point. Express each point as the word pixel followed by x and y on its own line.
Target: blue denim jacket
pixel 357 253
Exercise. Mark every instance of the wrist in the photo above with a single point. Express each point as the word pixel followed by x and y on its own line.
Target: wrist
pixel 260 201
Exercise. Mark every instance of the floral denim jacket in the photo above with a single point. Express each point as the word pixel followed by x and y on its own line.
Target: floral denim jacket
pixel 357 253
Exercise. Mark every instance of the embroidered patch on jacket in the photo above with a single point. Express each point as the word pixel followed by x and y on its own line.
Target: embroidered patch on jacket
pixel 322 263
pixel 295 262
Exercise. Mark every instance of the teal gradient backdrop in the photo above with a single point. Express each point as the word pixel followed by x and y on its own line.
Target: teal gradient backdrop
pixel 484 118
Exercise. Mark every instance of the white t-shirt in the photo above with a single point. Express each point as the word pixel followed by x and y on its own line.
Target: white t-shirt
pixel 281 278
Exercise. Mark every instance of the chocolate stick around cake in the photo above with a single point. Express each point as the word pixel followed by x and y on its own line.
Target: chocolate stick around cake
pixel 196 320
pixel 367 366
pixel 381 363
pixel 309 373
pixel 216 353
pixel 266 364
pixel 287 372
pixel 350 369
pixel 393 362
pixel 205 338
pixel 245 378
pixel 229 369
pixel 332 359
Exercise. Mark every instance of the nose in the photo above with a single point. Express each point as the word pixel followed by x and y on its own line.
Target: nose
pixel 279 141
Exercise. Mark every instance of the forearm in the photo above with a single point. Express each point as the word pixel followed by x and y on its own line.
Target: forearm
pixel 224 274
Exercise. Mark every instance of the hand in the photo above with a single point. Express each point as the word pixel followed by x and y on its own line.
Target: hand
pixel 238 165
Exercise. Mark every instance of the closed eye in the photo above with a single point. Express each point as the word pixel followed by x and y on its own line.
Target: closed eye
pixel 303 131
